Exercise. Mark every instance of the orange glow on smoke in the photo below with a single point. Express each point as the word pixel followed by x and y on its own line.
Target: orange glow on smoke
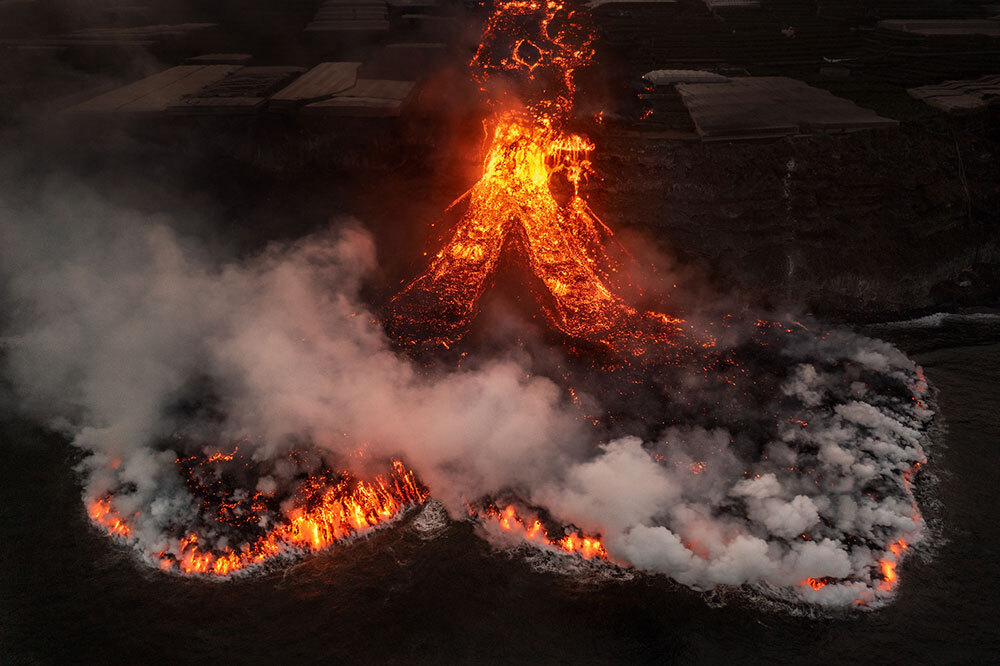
pixel 531 530
pixel 562 242
pixel 344 509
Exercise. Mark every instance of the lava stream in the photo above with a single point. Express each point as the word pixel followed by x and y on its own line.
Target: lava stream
pixel 513 198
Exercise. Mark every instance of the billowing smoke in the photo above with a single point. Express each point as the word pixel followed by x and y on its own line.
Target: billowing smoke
pixel 783 460
pixel 823 496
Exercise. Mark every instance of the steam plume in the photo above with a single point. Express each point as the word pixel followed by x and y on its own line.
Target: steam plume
pixel 788 463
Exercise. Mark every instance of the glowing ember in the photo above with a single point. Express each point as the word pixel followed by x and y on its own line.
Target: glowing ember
pixel 323 516
pixel 531 530
pixel 513 199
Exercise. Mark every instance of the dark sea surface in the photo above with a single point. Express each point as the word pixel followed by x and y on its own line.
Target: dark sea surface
pixel 70 595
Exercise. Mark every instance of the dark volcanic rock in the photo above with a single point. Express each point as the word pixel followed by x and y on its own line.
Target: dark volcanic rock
pixel 860 226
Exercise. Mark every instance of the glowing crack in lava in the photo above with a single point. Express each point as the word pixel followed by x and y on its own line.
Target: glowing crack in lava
pixel 538 45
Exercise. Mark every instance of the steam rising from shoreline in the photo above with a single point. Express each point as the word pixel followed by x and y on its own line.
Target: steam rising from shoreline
pixel 142 347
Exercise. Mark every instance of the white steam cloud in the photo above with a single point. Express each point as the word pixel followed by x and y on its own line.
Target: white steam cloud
pixel 114 317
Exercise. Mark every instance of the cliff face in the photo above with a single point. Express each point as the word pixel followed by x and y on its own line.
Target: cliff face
pixel 860 226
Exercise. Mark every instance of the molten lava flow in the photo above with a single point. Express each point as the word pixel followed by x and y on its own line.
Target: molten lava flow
pixel 322 515
pixel 102 514
pixel 888 564
pixel 531 530
pixel 543 44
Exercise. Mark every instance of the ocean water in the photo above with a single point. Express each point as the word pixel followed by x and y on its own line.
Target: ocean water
pixel 427 590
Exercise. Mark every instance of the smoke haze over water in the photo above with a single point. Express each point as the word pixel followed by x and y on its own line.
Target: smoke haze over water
pixel 783 457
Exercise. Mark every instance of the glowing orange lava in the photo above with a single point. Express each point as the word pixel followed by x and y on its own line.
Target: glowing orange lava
pixel 341 510
pixel 531 530
pixel 101 513
pixel 888 565
pixel 814 583
pixel 541 45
